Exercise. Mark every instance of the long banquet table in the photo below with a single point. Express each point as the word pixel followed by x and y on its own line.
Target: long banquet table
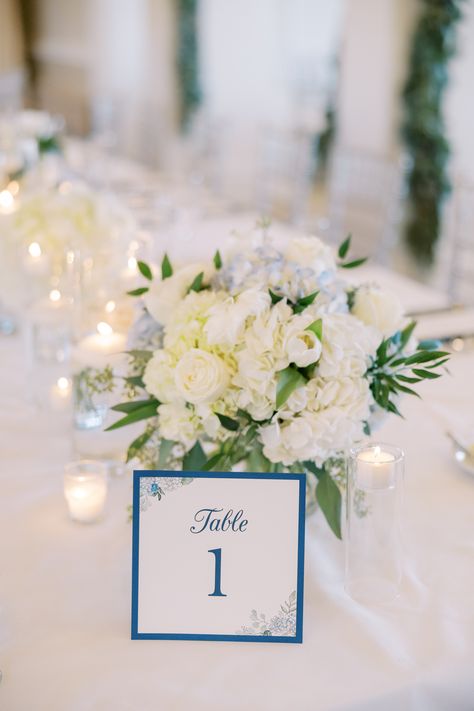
pixel 65 588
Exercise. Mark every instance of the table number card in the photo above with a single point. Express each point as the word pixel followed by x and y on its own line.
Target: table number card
pixel 218 556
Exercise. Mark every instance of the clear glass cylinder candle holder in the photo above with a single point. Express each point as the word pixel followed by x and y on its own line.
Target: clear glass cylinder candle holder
pixel 85 490
pixel 373 567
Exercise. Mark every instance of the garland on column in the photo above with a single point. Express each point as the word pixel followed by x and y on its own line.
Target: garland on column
pixel 423 129
pixel 188 61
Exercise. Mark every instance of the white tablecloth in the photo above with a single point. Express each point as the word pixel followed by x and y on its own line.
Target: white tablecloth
pixel 65 590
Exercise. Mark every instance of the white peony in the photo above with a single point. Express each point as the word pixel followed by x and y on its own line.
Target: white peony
pixel 159 377
pixel 200 376
pixel 379 308
pixel 312 253
pixel 226 320
pixel 165 295
pixel 347 346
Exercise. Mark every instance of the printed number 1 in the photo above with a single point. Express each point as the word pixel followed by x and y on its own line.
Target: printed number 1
pixel 217 579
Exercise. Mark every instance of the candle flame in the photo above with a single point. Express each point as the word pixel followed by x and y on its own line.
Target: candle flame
pixel 63 383
pixel 132 263
pixel 104 328
pixel 6 199
pixel 55 295
pixel 110 306
pixel 377 452
pixel 13 187
pixel 34 249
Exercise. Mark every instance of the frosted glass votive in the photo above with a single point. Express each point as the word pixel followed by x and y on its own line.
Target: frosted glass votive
pixel 85 490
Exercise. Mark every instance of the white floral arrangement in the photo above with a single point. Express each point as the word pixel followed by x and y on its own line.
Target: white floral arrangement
pixel 49 223
pixel 266 360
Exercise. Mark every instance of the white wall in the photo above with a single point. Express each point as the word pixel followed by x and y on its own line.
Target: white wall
pixel 254 54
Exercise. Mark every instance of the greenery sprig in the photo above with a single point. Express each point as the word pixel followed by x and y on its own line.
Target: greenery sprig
pixel 423 129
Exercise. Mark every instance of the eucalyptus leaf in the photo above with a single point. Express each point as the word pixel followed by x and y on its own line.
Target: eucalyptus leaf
pixel 166 445
pixel 428 374
pixel 195 459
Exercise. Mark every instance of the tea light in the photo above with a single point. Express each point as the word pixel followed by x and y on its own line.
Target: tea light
pixel 375 468
pixel 85 490
pixel 96 349
pixel 35 262
pixel 60 393
pixel 7 202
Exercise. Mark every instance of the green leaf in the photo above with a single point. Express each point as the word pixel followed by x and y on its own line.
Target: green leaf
pixel 275 297
pixel 138 292
pixel 217 260
pixel 197 283
pixel 355 263
pixel 329 498
pixel 307 300
pixel 344 247
pixel 228 422
pixel 406 379
pixel 406 334
pixel 142 413
pixel 391 407
pixel 166 268
pixel 213 462
pixel 428 374
pixel 366 428
pixel 137 444
pixel 317 328
pixel 135 380
pixel 289 380
pixel 425 356
pixel 311 467
pixel 145 270
pixel 166 445
pixel 257 461
pixel 195 459
pixel 408 391
pixel 134 405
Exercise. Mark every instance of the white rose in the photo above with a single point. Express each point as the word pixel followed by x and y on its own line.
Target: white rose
pixel 311 252
pixel 226 320
pixel 164 296
pixel 159 377
pixel 200 376
pixel 302 347
pixel 379 308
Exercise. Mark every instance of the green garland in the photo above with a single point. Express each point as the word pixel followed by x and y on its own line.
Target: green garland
pixel 423 129
pixel 188 61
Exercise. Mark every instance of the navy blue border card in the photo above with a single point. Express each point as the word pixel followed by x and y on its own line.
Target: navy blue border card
pixel 149 581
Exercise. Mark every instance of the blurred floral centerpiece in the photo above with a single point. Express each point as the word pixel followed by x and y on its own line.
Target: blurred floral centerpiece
pixel 266 360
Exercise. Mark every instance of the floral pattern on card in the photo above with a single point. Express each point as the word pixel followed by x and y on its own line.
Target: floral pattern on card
pixel 154 488
pixel 282 624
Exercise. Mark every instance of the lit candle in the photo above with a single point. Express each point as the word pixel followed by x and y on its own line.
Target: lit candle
pixel 60 394
pixel 375 468
pixel 99 349
pixel 7 202
pixel 129 275
pixel 85 490
pixel 35 262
